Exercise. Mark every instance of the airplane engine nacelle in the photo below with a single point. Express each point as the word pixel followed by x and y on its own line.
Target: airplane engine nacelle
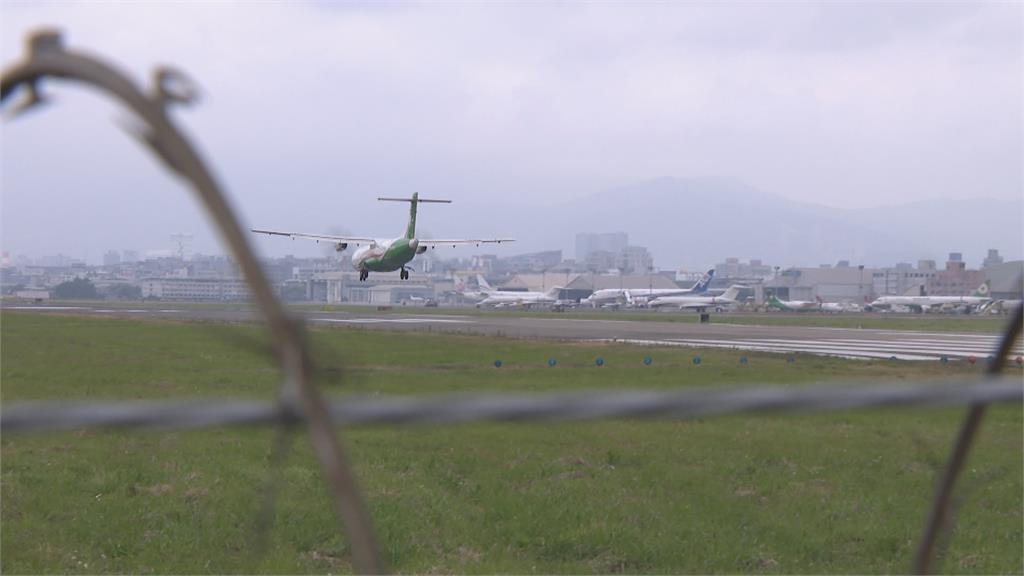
pixel 421 249
pixel 340 246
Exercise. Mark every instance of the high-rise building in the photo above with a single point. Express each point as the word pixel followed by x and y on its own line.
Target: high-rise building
pixel 993 258
pixel 613 242
pixel 634 260
pixel 112 258
pixel 956 262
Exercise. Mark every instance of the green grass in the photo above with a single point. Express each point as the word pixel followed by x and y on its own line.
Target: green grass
pixel 841 492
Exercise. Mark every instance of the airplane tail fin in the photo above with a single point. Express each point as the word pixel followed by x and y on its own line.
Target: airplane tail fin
pixel 982 290
pixel 702 285
pixel 554 292
pixel 485 287
pixel 410 230
pixel 732 292
pixel 917 290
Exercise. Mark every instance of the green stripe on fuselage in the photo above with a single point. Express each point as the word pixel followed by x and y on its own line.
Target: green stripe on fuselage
pixel 397 255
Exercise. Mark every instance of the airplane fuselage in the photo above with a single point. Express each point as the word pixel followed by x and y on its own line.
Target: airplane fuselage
pixel 697 302
pixel 924 302
pixel 794 305
pixel 385 255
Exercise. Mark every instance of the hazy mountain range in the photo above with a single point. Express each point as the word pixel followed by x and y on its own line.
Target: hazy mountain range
pixel 691 223
pixel 685 223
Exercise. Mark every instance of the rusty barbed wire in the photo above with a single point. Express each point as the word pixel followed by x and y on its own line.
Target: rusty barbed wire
pixel 461 409
pixel 47 57
pixel 939 512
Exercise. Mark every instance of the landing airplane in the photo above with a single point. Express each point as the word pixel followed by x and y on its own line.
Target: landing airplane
pixel 387 255
pixel 699 303
pixel 925 303
pixel 612 296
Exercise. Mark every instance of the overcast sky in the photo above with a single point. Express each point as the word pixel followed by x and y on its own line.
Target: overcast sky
pixel 311 110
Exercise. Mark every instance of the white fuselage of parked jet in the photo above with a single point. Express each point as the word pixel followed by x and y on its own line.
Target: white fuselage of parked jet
pixel 642 296
pixel 928 302
pixel 502 299
pixel 698 303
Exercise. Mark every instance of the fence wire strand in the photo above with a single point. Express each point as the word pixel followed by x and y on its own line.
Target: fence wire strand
pixel 458 409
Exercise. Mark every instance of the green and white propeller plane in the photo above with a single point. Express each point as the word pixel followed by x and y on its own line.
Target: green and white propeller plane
pixel 387 255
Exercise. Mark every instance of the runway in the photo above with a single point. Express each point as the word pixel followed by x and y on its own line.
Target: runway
pixel 839 342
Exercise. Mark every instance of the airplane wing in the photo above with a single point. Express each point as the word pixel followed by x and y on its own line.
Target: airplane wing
pixel 435 243
pixel 318 237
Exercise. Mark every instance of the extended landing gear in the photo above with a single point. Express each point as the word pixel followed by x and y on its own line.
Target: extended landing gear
pixel 363 274
pixel 404 274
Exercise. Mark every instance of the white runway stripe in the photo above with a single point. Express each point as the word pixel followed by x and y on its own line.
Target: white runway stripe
pixel 966 349
pixel 828 346
pixel 854 348
pixel 390 320
pixel 985 341
pixel 827 349
pixel 754 347
pixel 45 308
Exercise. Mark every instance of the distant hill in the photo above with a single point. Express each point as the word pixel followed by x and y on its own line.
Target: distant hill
pixel 693 223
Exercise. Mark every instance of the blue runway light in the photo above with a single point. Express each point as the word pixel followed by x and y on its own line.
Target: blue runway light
pixel 696 359
pixel 743 359
pixel 944 359
pixel 791 359
pixel 648 360
pixel 497 363
pixel 552 362
pixel 599 361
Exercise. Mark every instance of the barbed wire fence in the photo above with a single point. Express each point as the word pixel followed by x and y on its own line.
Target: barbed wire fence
pixel 300 401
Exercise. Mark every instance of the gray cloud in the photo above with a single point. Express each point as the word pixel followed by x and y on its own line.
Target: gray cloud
pixel 312 110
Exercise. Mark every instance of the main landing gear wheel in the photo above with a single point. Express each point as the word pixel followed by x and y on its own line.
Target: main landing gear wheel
pixel 363 274
pixel 404 274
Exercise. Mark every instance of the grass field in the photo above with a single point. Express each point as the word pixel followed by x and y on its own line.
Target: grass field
pixel 842 492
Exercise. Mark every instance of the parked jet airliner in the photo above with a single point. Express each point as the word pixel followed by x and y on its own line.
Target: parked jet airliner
pixel 510 298
pixel 980 297
pixel 387 255
pixel 792 305
pixel 699 303
pixel 608 296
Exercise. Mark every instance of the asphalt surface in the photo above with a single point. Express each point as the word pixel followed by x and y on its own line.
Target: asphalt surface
pixel 844 342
